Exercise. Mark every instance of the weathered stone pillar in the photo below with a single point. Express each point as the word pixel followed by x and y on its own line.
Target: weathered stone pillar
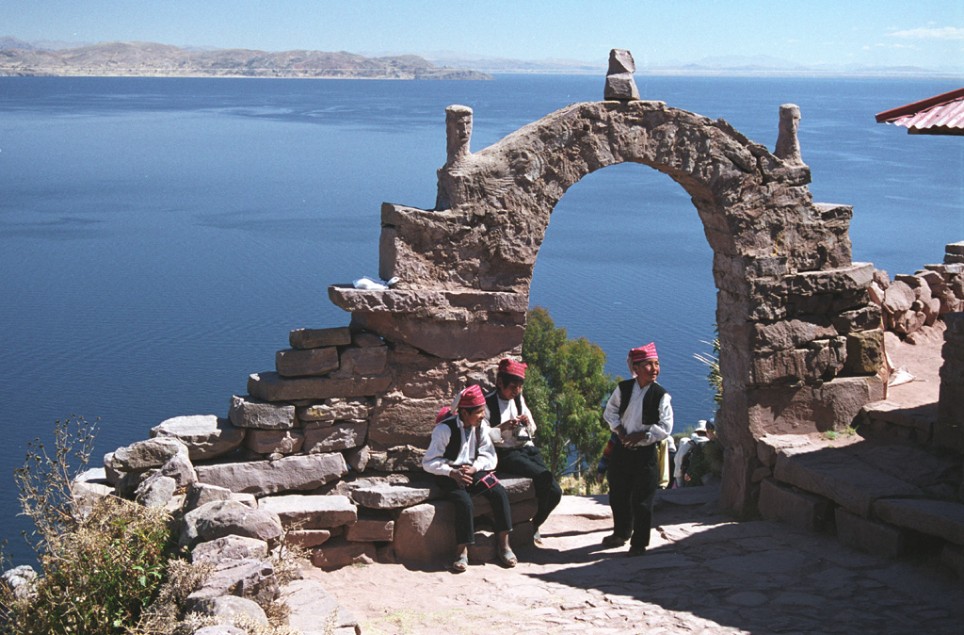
pixel 458 133
pixel 788 146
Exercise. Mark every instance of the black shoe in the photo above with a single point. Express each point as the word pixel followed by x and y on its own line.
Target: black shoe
pixel 636 551
pixel 613 541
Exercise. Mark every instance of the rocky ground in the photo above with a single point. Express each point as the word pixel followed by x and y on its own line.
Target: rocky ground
pixel 703 574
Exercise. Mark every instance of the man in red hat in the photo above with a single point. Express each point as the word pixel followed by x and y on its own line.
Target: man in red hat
pixel 640 414
pixel 462 458
pixel 513 429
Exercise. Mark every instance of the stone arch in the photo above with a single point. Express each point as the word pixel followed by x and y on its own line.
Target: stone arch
pixel 801 344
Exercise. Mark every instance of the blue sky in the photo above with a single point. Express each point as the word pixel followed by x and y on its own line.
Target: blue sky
pixel 924 33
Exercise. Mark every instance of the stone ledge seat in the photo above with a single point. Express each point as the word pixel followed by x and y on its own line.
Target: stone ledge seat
pixel 878 497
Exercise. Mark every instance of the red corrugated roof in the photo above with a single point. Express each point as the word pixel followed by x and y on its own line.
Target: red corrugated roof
pixel 941 114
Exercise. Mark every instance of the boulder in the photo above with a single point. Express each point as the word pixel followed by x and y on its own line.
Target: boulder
pixel 311 512
pixel 400 458
pixel 293 473
pixel 155 491
pixel 206 436
pixel 224 518
pixel 335 409
pixel 200 493
pixel 425 533
pixel 357 458
pixel 334 438
pixel 307 538
pixel 227 608
pixel 252 579
pixel 230 547
pixel 249 413
pixel 317 338
pixel 304 363
pixel 144 455
pixel 311 609
pixel 338 552
pixel 180 469
pixel 897 298
pixel 274 441
pixel 362 361
pixel 371 530
pixel 386 496
pixel 20 580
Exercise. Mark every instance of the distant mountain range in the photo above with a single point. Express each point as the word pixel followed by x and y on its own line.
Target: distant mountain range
pixel 148 59
pixel 18 57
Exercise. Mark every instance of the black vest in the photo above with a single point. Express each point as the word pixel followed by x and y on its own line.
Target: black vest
pixel 650 400
pixel 455 440
pixel 492 401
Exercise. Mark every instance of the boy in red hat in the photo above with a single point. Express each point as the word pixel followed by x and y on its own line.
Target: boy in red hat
pixel 462 457
pixel 512 432
pixel 640 414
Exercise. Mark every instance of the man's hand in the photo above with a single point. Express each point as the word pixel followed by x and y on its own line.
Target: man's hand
pixel 462 475
pixel 637 437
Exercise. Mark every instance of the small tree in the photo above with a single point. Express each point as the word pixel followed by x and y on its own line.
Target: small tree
pixel 566 386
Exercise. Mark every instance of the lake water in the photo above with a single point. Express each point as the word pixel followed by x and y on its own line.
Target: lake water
pixel 160 237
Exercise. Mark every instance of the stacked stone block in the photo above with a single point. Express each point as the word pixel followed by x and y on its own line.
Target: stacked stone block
pixel 911 302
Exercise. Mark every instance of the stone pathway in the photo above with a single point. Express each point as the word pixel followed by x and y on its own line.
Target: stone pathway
pixel 703 574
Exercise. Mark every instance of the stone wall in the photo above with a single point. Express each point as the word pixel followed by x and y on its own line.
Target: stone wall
pixel 330 442
pixel 912 301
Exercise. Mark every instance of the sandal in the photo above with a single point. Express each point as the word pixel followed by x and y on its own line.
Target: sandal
pixel 461 564
pixel 508 559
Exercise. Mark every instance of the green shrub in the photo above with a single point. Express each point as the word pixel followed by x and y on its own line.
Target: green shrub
pixel 99 569
pixel 99 575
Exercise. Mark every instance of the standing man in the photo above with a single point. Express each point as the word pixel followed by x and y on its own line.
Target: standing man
pixel 640 414
pixel 512 432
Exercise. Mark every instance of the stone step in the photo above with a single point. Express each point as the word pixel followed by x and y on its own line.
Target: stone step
pixel 886 489
pixel 888 420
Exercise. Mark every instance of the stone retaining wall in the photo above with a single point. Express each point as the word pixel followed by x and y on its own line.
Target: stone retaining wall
pixel 912 301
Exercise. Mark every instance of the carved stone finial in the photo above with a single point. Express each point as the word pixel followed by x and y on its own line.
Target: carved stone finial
pixel 788 147
pixel 619 78
pixel 458 133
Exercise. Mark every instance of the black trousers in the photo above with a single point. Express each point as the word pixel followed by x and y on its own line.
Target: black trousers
pixel 633 478
pixel 527 461
pixel 465 511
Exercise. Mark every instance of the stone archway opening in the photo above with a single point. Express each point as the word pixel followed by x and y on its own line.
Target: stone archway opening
pixel 604 238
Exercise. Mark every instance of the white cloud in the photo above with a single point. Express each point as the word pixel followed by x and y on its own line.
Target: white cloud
pixel 931 33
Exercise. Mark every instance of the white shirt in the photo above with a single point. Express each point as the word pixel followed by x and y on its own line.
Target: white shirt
pixel 507 411
pixel 435 462
pixel 632 419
